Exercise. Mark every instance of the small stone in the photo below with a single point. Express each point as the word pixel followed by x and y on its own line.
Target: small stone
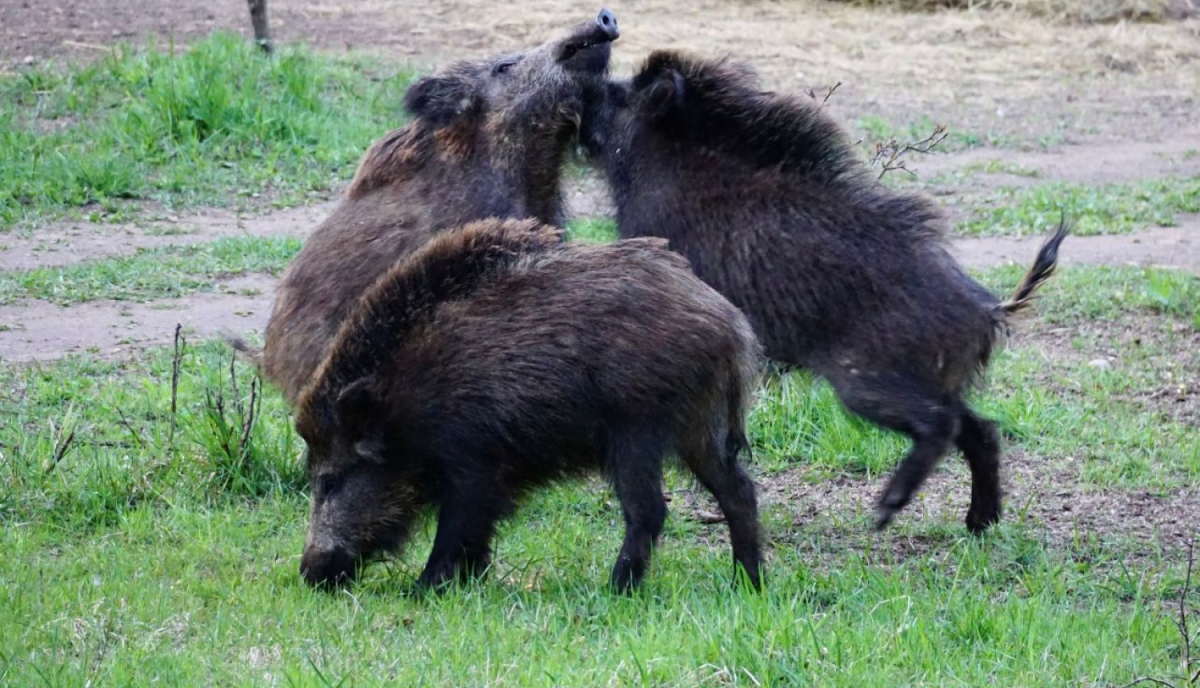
pixel 28 60
pixel 1100 363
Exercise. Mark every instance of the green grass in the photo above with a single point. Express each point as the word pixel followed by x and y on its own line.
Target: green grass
pixel 150 273
pixel 1094 209
pixel 153 547
pixel 184 128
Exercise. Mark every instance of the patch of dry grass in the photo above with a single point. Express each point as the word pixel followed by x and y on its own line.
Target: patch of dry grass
pixel 1084 11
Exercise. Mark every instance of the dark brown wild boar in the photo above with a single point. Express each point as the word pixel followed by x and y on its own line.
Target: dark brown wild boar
pixel 839 274
pixel 487 139
pixel 497 358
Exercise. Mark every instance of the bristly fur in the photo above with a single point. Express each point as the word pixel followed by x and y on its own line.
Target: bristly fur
pixel 482 143
pixel 496 359
pixel 737 116
pixel 449 267
pixel 838 273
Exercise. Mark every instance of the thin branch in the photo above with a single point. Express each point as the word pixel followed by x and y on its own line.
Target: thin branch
pixel 1183 613
pixel 828 92
pixel 129 426
pixel 176 361
pixel 891 154
pixel 249 416
pixel 1148 679
pixel 60 451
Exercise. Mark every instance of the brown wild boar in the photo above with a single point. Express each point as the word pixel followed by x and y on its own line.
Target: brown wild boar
pixel 498 358
pixel 765 197
pixel 487 139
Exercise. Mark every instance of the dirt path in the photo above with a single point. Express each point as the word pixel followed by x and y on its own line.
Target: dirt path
pixel 72 242
pixel 39 331
pixel 1046 498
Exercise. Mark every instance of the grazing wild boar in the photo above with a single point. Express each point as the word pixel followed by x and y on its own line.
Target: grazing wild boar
pixel 487 139
pixel 765 197
pixel 498 358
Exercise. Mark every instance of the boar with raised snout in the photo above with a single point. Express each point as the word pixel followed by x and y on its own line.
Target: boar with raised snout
pixel 763 194
pixel 498 358
pixel 488 139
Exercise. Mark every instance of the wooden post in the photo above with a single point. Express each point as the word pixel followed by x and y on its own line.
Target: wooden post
pixel 262 31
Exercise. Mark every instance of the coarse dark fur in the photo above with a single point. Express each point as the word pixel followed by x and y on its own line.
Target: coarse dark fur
pixel 496 359
pixel 487 139
pixel 764 195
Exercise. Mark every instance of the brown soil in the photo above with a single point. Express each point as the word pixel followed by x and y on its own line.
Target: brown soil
pixel 1168 247
pixel 40 331
pixel 72 242
pixel 1046 499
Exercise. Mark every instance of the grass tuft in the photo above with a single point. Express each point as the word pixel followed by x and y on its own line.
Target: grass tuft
pixel 185 128
pixel 1093 209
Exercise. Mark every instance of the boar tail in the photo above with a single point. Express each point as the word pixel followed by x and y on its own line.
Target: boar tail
pixel 246 352
pixel 743 381
pixel 1043 268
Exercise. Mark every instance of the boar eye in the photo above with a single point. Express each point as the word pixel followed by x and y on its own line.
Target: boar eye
pixel 503 67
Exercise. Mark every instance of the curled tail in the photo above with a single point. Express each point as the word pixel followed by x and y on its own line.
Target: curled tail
pixel 246 352
pixel 1043 268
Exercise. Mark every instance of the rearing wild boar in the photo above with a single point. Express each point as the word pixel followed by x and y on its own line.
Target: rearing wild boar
pixel 497 358
pixel 839 274
pixel 487 139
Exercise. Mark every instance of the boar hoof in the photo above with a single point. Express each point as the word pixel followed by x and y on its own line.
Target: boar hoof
pixel 980 520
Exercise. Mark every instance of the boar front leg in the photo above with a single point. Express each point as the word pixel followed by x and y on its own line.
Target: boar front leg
pixel 466 522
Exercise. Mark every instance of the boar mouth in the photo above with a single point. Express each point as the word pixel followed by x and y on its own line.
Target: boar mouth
pixel 589 47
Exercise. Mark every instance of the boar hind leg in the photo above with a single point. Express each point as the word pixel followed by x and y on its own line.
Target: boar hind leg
pixel 467 520
pixel 899 403
pixel 635 463
pixel 714 461
pixel 980 445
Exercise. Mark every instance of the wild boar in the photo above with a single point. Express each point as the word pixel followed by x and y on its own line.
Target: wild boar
pixel 487 139
pixel 497 358
pixel 764 195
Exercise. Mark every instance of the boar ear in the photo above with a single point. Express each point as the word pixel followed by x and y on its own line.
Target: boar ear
pixel 357 405
pixel 666 94
pixel 440 99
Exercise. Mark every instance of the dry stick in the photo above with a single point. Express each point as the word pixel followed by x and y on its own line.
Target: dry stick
pixel 1182 626
pixel 828 92
pixel 1183 617
pixel 61 451
pixel 890 153
pixel 176 360
pixel 248 421
pixel 129 427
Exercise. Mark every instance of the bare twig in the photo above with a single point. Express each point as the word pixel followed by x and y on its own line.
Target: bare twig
pixel 132 433
pixel 890 154
pixel 176 361
pixel 249 415
pixel 1190 678
pixel 828 92
pixel 1148 679
pixel 60 450
pixel 1182 623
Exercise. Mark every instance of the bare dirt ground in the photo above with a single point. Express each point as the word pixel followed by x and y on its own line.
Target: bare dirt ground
pixel 1082 103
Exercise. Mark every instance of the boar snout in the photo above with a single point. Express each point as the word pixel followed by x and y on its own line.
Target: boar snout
pixel 327 568
pixel 607 21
